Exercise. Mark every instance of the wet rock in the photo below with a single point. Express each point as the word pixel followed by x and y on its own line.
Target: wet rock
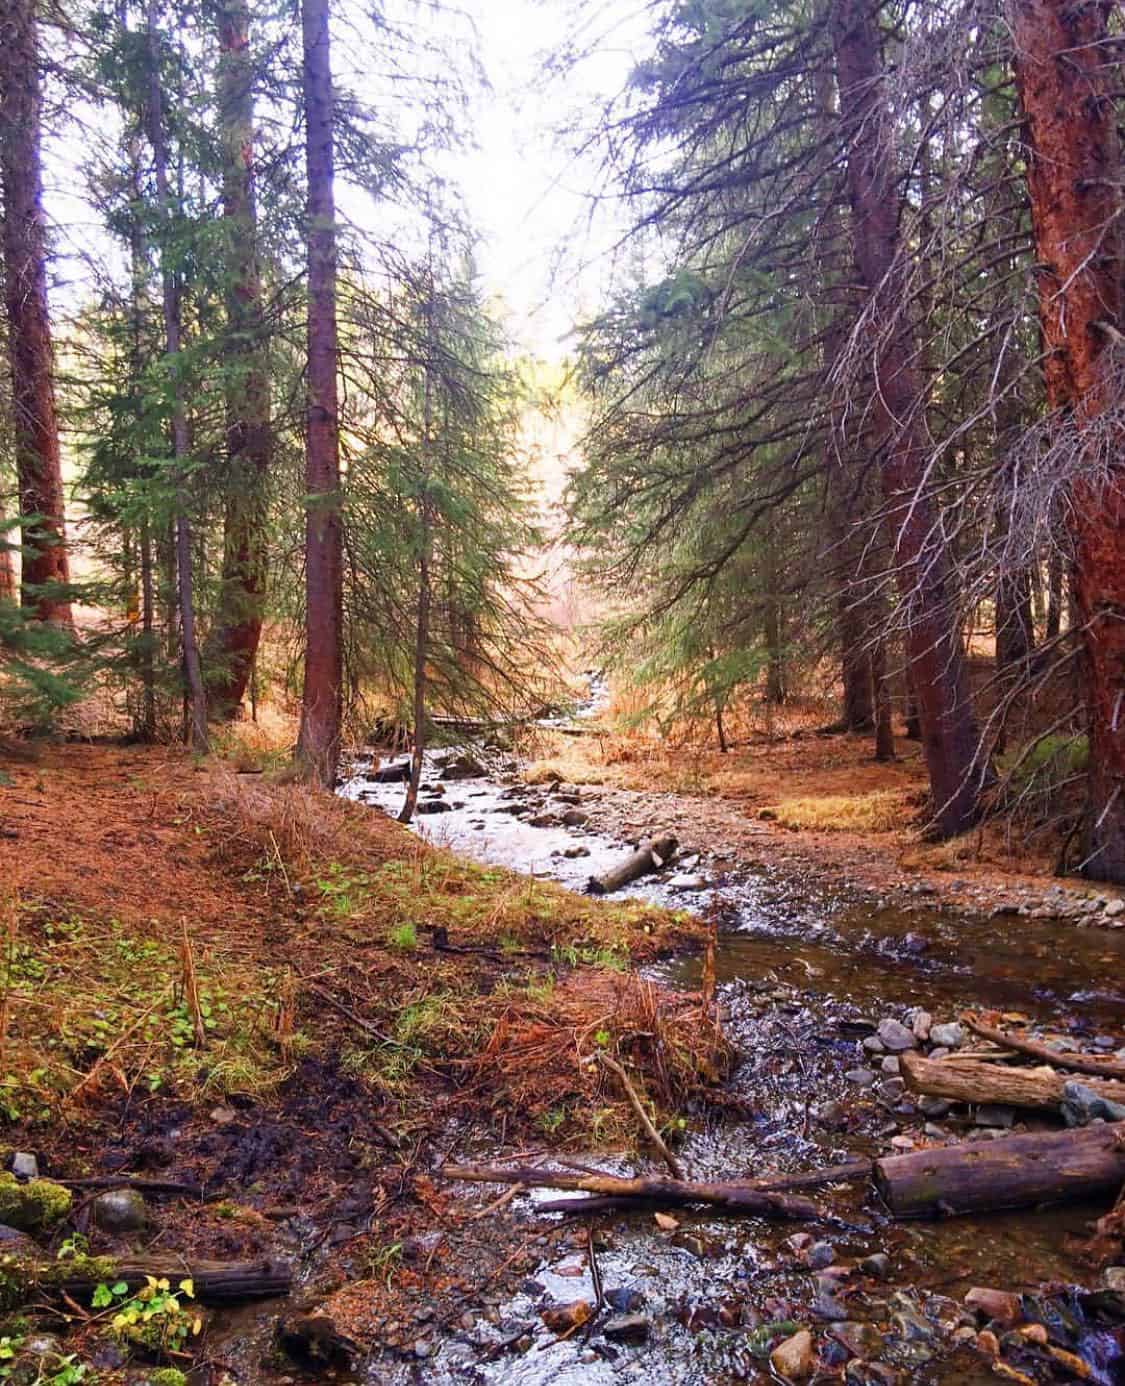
pixel 564 1318
pixel 999 1306
pixel 891 1090
pixel 891 1064
pixel 120 1212
pixel 434 806
pixel 828 1308
pixel 878 1264
pixel 860 1339
pixel 874 1045
pixel 934 1107
pixel 25 1165
pixel 911 1327
pixel 575 818
pixel 627 1328
pixel 920 1024
pixel 895 1036
pixel 988 1343
pixel 794 1359
pixel 950 1036
pixel 685 882
pixel 624 1299
pixel 832 1115
pixel 993 1114
pixel 572 853
pixel 819 1255
pixel 1114 908
pixel 314 1342
pixel 1114 1278
pixel 544 820
pixel 13 1240
pixel 691 1242
pixel 1081 1105
pixel 861 1077
pixel 463 768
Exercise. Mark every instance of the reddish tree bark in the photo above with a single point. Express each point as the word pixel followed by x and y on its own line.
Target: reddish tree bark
pixel 934 654
pixel 1064 72
pixel 318 745
pixel 43 552
pixel 237 631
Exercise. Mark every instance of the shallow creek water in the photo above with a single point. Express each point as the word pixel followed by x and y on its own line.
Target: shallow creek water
pixel 799 971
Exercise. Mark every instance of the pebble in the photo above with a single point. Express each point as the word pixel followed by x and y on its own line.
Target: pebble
pixel 949 1036
pixel 998 1305
pixel 861 1077
pixel 819 1255
pixel 794 1359
pixel 993 1114
pixel 1114 908
pixel 891 1064
pixel 895 1036
pixel 874 1045
pixel 1114 1278
pixel 877 1264
pixel 920 1024
pixel 860 1339
pixel 25 1165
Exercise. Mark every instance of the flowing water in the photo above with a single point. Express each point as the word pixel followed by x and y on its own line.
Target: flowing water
pixel 801 976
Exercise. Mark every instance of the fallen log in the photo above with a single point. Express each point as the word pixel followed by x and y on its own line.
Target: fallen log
pixel 126 1181
pixel 731 1197
pixel 1077 1063
pixel 1012 1172
pixel 651 855
pixel 213 1282
pixel 971 1080
pixel 396 773
pixel 772 1183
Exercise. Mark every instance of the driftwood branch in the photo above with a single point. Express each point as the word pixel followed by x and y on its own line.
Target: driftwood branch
pixel 214 1282
pixel 667 1193
pixel 1076 1063
pixel 651 855
pixel 643 1117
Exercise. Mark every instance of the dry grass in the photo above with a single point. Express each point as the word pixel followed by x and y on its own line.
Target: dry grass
pixel 879 811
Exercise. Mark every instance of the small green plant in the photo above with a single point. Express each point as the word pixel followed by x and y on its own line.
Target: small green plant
pixel 404 936
pixel 51 1370
pixel 154 1318
pixel 384 1261
pixel 552 1120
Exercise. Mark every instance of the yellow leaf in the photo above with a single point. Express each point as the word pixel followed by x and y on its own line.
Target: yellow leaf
pixel 188 1287
pixel 197 1326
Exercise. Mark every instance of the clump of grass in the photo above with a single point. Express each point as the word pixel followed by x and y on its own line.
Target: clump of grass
pixel 880 811
pixel 404 936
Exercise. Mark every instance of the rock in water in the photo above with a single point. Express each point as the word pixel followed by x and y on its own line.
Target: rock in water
pixel 120 1212
pixel 794 1359
pixel 627 1328
pixel 950 1036
pixel 1081 1105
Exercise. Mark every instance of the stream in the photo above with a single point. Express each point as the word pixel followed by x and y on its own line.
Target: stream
pixel 803 977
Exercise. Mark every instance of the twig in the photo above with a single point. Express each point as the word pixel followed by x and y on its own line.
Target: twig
pixel 1077 1063
pixel 646 1121
pixel 191 986
pixel 347 1011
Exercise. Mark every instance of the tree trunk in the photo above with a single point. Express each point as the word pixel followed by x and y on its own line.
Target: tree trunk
pixel 1065 72
pixel 196 710
pixel 884 709
pixel 238 624
pixel 934 653
pixel 421 649
pixel 318 746
pixel 44 565
pixel 7 567
pixel 773 632
pixel 1013 1172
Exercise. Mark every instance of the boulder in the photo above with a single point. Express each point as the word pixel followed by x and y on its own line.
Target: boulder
pixel 895 1036
pixel 120 1212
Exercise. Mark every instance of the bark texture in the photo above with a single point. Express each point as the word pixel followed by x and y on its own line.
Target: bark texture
pixel 1065 72
pixel 233 644
pixel 318 746
pixel 936 662
pixel 38 465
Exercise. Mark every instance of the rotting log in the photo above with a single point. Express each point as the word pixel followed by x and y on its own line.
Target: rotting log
pixel 1012 1172
pixel 1092 1064
pixel 126 1181
pixel 971 1080
pixel 651 855
pixel 398 772
pixel 213 1282
pixel 732 1197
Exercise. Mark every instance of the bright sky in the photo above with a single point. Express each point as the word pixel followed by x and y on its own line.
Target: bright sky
pixel 527 195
